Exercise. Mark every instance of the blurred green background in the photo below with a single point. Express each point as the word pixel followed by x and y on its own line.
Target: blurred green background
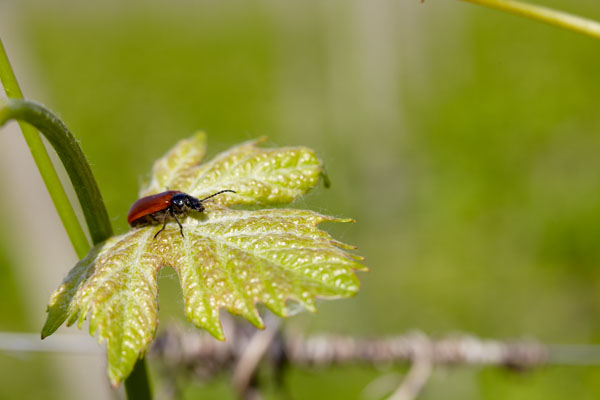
pixel 463 141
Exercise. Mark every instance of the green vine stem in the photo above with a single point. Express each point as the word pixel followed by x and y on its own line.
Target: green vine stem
pixel 44 164
pixel 30 115
pixel 72 158
pixel 543 14
pixel 137 385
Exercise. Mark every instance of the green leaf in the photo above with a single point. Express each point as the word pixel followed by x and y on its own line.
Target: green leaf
pixel 257 175
pixel 173 169
pixel 230 259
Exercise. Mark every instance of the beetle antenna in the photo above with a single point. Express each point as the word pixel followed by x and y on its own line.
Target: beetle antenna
pixel 214 194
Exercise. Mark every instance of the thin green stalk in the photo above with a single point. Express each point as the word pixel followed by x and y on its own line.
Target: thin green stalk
pixel 137 385
pixel 72 158
pixel 44 164
pixel 543 14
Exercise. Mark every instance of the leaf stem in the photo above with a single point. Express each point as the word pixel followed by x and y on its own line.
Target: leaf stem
pixel 72 158
pixel 137 385
pixel 544 14
pixel 44 164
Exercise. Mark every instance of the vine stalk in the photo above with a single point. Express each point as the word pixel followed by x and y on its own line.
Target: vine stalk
pixel 30 115
pixel 544 14
pixel 72 157
pixel 44 164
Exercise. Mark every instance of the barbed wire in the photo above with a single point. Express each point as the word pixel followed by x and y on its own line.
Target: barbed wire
pixel 181 348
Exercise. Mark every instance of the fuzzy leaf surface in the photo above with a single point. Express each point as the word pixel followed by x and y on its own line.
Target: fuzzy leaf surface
pixel 257 175
pixel 231 259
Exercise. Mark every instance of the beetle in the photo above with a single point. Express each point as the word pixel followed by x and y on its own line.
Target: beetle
pixel 158 208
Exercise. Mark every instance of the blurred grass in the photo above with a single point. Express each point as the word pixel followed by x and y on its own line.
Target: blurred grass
pixel 17 369
pixel 11 308
pixel 472 168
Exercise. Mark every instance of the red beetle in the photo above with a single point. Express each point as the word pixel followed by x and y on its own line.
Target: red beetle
pixel 158 208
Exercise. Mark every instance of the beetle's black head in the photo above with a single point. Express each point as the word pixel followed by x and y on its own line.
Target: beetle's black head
pixel 182 201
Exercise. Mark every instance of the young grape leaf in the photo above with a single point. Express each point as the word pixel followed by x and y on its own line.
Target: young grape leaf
pixel 230 259
pixel 257 175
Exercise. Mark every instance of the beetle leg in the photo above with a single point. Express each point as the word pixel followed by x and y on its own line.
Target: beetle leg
pixel 178 223
pixel 163 227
